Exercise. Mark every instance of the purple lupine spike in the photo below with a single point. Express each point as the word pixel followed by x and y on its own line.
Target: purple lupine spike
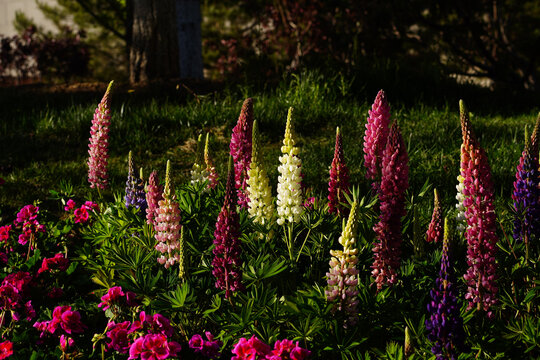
pixel 135 195
pixel 339 181
pixel 240 147
pixel 154 193
pixel 435 230
pixel 481 220
pixel 227 263
pixel 445 325
pixel 98 147
pixel 375 138
pixel 394 183
pixel 526 192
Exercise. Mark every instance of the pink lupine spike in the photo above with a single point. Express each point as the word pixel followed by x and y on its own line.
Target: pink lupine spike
pixel 240 147
pixel 435 231
pixel 99 143
pixel 154 193
pixel 339 180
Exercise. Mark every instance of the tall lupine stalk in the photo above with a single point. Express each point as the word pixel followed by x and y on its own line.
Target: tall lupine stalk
pixel 394 183
pixel 154 193
pixel 338 186
pixel 227 263
pixel 526 194
pixel 261 207
pixel 481 222
pixel 199 174
pixel 135 195
pixel 213 177
pixel 99 143
pixel 240 147
pixel 435 230
pixel 342 277
pixel 445 325
pixel 460 207
pixel 168 225
pixel 375 138
pixel 289 193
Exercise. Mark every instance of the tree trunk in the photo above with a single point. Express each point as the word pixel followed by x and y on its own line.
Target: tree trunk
pixel 154 46
pixel 188 16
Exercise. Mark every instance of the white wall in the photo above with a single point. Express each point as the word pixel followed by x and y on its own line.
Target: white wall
pixel 29 7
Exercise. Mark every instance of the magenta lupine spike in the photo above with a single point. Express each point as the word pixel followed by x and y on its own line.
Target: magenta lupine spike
pixel 435 230
pixel 394 183
pixel 481 221
pixel 339 180
pixel 240 147
pixel 154 193
pixel 375 138
pixel 99 143
pixel 227 263
pixel 168 226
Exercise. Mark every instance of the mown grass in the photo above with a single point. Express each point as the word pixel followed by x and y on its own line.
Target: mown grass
pixel 44 136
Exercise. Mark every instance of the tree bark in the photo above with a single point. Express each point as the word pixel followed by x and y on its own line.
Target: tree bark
pixel 154 47
pixel 188 16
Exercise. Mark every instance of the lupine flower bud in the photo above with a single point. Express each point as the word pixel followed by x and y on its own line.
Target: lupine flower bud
pixel 261 207
pixel 181 256
pixel 154 193
pixel 435 230
pixel 339 180
pixel 213 177
pixel 394 183
pixel 481 222
pixel 342 278
pixel 289 193
pixel 526 192
pixel 240 147
pixel 135 195
pixel 460 216
pixel 199 173
pixel 227 263
pixel 168 225
pixel 445 325
pixel 99 143
pixel 375 138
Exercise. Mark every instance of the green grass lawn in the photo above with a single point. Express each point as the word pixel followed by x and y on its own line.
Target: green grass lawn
pixel 44 135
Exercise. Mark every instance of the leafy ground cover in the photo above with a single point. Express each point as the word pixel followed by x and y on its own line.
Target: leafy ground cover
pixel 102 244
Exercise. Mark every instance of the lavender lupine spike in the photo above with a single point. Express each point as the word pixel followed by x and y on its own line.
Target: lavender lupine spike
pixel 199 174
pixel 227 264
pixel 338 186
pixel 435 230
pixel 394 183
pixel 261 207
pixel 154 193
pixel 375 138
pixel 526 194
pixel 135 195
pixel 98 147
pixel 168 224
pixel 213 177
pixel 240 147
pixel 342 277
pixel 445 325
pixel 481 221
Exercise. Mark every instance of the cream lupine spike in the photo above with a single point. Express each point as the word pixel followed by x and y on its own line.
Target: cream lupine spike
pixel 181 257
pixel 289 193
pixel 213 177
pixel 260 204
pixel 199 173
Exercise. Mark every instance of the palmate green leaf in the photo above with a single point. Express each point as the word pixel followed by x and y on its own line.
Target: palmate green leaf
pixel 263 268
pixel 144 282
pixel 126 256
pixel 180 298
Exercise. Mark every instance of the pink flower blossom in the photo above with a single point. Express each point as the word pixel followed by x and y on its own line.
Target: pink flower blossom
pixel 66 342
pixel 6 349
pixel 70 205
pixel 338 186
pixel 435 231
pixel 56 263
pixel 112 296
pixel 81 215
pixel 154 193
pixel 240 147
pixel 118 334
pixel 153 347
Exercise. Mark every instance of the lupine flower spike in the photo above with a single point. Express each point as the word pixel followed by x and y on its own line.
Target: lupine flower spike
pixel 481 222
pixel 199 173
pixel 445 325
pixel 261 207
pixel 289 193
pixel 181 256
pixel 154 193
pixel 213 177
pixel 394 183
pixel 99 143
pixel 435 230
pixel 168 225
pixel 339 180
pixel 135 194
pixel 375 138
pixel 227 263
pixel 342 277
pixel 526 192
pixel 240 147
